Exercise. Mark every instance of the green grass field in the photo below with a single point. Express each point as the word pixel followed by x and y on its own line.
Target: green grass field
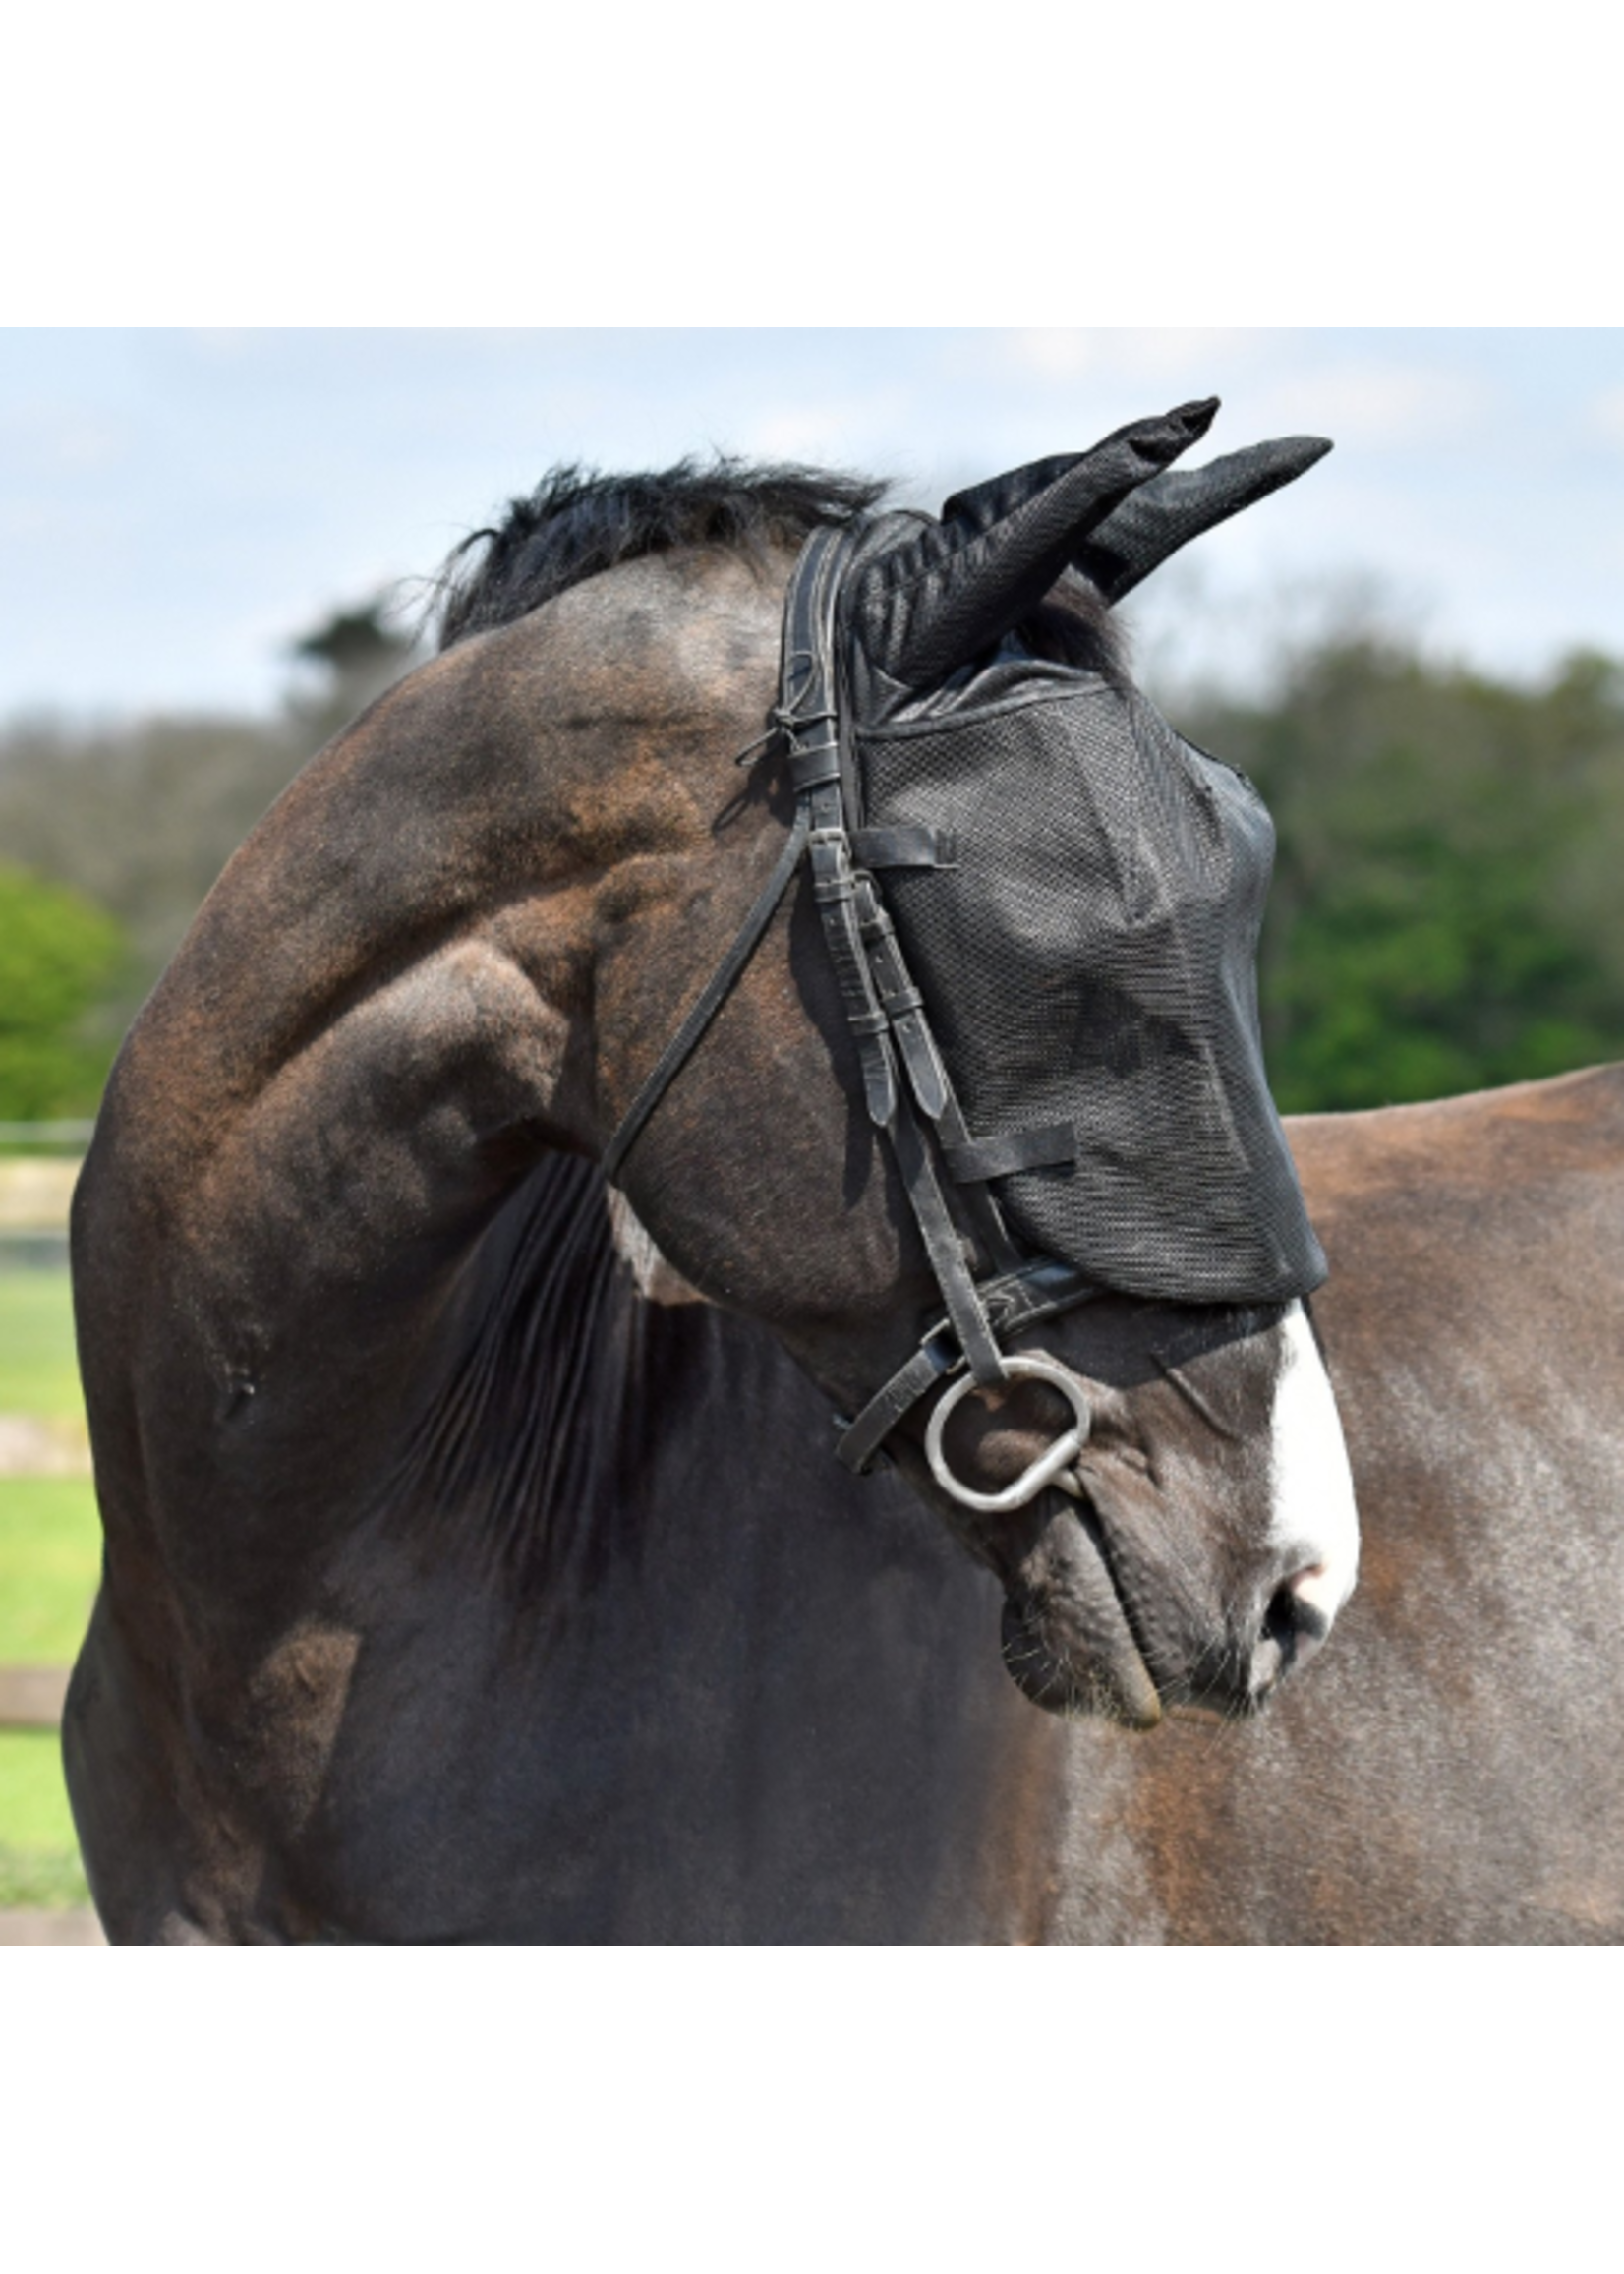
pixel 50 1553
pixel 50 1549
pixel 39 1866
pixel 39 1373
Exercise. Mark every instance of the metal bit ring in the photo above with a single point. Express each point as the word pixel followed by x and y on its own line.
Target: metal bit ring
pixel 1045 1469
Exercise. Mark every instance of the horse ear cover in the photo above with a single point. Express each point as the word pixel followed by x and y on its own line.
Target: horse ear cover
pixel 961 583
pixel 1153 521
pixel 1087 959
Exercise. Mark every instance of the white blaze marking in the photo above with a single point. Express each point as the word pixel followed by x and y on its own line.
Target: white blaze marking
pixel 1314 1521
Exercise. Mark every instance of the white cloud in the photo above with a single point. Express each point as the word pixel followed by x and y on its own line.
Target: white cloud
pixel 67 440
pixel 827 427
pixel 1608 415
pixel 1373 402
pixel 85 442
pixel 228 342
pixel 494 334
pixel 1120 353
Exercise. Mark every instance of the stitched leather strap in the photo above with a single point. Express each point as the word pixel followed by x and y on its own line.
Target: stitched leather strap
pixel 808 713
pixel 902 1002
pixel 881 1001
pixel 945 1247
pixel 835 890
pixel 1018 1299
pixel 906 845
pixel 977 1158
pixel 977 1200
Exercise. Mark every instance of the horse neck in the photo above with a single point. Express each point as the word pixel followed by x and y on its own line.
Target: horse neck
pixel 809 1720
pixel 355 1334
pixel 380 1023
pixel 414 830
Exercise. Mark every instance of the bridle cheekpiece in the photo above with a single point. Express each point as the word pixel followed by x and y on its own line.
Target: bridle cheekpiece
pixel 886 1014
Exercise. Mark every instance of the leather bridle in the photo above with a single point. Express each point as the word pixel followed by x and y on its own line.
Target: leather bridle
pixel 905 1087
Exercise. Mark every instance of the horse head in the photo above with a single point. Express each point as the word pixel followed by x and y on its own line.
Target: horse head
pixel 1165 1498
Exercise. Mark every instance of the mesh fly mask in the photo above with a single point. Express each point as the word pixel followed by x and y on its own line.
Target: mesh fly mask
pixel 1042 907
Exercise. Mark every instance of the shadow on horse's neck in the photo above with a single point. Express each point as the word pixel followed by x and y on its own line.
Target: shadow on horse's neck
pixel 544 1430
pixel 647 1490
pixel 575 1425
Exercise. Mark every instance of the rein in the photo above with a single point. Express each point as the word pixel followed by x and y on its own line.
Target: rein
pixel 918 1115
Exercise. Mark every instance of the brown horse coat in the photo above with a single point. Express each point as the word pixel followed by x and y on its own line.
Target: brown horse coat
pixel 458 1589
pixel 1446 1771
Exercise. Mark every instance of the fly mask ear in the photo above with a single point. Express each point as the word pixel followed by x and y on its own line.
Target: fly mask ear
pixel 958 585
pixel 1153 521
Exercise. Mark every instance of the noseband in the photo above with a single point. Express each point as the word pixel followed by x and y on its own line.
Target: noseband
pixel 905 1087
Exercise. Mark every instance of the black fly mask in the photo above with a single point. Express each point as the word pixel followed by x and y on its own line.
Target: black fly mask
pixel 1043 904
pixel 1085 943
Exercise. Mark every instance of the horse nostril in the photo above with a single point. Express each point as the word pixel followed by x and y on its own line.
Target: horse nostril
pixel 1299 1603
pixel 1280 1619
pixel 1318 1593
pixel 1293 1629
pixel 1290 1627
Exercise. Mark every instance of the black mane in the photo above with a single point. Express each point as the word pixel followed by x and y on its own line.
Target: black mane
pixel 578 523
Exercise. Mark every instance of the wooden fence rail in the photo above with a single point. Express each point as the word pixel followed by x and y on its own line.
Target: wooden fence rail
pixel 76 1134
pixel 31 1697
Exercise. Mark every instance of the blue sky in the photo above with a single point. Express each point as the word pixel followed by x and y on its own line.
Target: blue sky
pixel 176 505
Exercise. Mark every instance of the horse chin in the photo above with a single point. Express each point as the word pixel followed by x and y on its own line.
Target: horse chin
pixel 1067 1641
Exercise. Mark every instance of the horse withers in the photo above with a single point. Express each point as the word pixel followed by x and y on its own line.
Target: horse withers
pixel 461 1585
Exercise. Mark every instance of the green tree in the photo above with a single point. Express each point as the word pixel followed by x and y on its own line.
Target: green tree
pixel 141 815
pixel 1446 914
pixel 354 654
pixel 58 956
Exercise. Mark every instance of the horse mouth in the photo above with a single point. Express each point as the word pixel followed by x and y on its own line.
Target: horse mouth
pixel 1068 1637
pixel 1081 1635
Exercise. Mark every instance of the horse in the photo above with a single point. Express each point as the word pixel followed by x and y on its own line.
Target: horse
pixel 475 1568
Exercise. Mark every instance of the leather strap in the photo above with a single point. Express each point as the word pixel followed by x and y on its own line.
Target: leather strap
pixel 902 1002
pixel 977 1200
pixel 835 890
pixel 945 1248
pixel 975 1159
pixel 885 1015
pixel 1018 1299
pixel 880 1000
pixel 710 999
pixel 809 714
pixel 906 845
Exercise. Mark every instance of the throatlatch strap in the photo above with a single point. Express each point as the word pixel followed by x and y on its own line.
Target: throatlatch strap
pixel 710 999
